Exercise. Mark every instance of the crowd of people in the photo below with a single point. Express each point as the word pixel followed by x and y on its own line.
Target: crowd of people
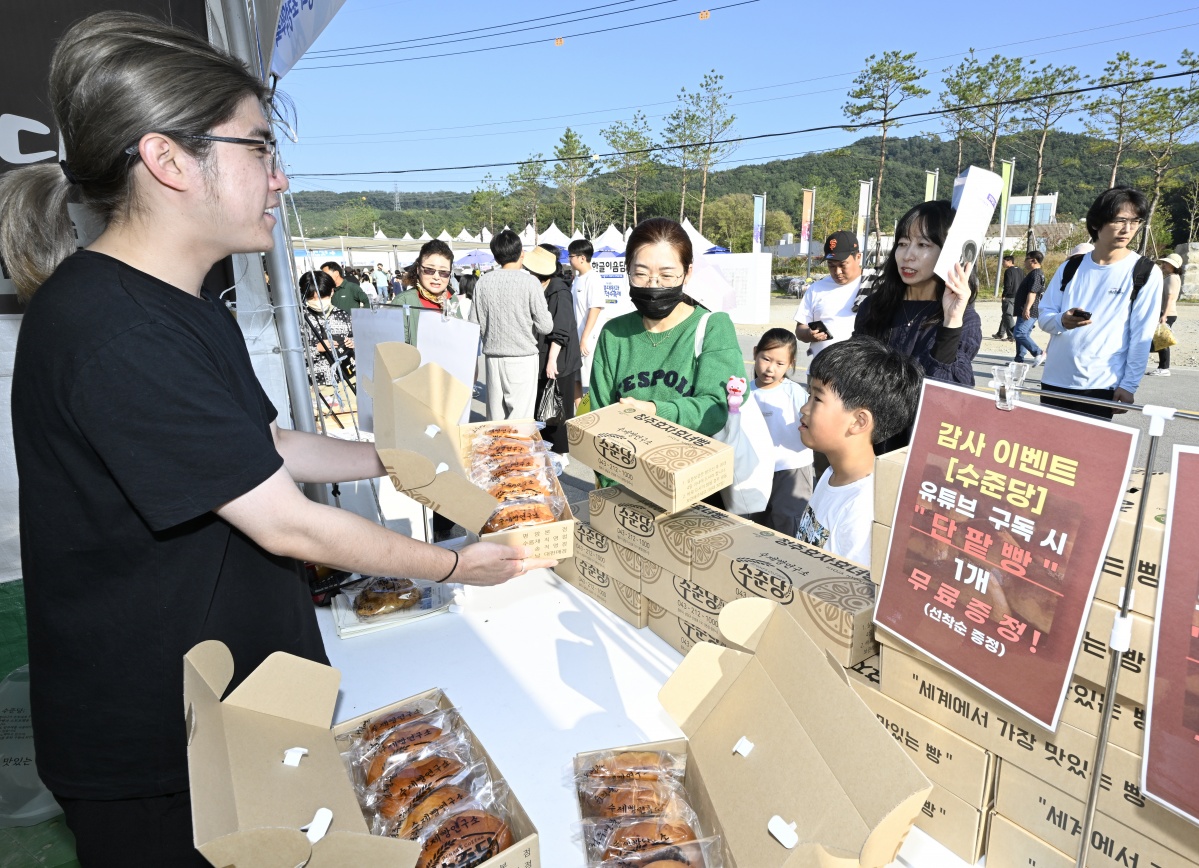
pixel 184 522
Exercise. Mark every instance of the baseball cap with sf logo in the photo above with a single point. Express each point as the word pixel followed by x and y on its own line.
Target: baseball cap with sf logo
pixel 840 246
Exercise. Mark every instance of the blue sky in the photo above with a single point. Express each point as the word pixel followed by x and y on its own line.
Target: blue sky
pixel 785 66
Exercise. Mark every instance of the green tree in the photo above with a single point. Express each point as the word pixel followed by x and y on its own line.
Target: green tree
pixel 711 107
pixel 525 186
pixel 485 202
pixel 994 84
pixel 1041 115
pixel 684 129
pixel 879 90
pixel 572 168
pixel 1168 117
pixel 1113 114
pixel 953 101
pixel 630 162
pixel 731 219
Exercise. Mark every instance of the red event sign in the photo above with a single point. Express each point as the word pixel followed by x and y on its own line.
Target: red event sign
pixel 1171 764
pixel 999 534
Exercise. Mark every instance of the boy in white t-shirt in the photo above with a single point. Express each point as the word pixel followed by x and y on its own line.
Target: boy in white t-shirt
pixel 861 392
pixel 588 290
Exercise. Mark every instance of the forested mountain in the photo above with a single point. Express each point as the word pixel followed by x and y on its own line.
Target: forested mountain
pixel 1076 167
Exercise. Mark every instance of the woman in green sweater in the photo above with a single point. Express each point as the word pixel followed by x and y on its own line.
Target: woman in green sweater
pixel 648 359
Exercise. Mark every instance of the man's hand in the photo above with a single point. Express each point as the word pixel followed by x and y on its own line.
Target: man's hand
pixel 1124 397
pixel 818 335
pixel 487 563
pixel 1071 319
pixel 641 406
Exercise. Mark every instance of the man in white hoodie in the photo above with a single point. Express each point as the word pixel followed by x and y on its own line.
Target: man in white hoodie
pixel 1102 319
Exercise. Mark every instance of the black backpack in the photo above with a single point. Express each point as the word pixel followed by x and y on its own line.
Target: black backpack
pixel 1140 273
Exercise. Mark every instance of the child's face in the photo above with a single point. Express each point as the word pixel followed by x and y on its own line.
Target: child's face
pixel 823 420
pixel 771 366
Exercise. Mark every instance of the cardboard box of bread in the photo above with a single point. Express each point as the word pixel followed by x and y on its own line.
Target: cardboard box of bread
pixel 672 540
pixel 1063 759
pixel 273 786
pixel 1057 818
pixel 667 464
pixel 676 631
pixel 779 779
pixel 955 824
pixel 600 550
pixel 614 595
pixel 495 479
pixel 833 599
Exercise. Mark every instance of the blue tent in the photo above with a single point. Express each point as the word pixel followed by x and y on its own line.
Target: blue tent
pixel 476 258
pixel 607 253
pixel 717 249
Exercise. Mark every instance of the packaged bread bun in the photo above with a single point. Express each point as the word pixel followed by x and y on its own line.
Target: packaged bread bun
pixel 486 472
pixel 633 836
pixel 631 765
pixel 466 839
pixel 496 448
pixel 526 431
pixel 404 743
pixel 378 726
pixel 609 799
pixel 428 812
pixel 381 595
pixel 520 513
pixel 396 794
pixel 704 853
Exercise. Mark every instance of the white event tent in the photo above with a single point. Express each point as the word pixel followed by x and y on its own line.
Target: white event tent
pixel 611 237
pixel 554 236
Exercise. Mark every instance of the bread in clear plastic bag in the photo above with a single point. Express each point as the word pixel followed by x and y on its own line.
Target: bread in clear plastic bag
pixel 496 448
pixel 630 765
pixel 526 431
pixel 523 486
pixel 608 838
pixel 395 795
pixel 516 514
pixel 428 812
pixel 485 472
pixel 371 761
pixel 600 798
pixel 466 839
pixel 704 853
pixel 381 724
pixel 381 595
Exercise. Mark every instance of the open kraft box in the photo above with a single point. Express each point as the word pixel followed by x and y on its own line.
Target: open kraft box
pixel 249 807
pixel 427 455
pixel 825 766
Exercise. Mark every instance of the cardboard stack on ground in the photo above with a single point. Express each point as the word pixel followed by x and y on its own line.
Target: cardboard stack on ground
pixel 825 766
pixel 1060 762
pixel 426 452
pixel 249 806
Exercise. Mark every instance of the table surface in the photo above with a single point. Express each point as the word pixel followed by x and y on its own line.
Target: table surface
pixel 541 672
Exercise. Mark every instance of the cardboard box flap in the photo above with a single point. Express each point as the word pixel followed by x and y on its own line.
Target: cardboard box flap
pixel 341 849
pixel 211 663
pixel 262 848
pixel 289 687
pixel 825 765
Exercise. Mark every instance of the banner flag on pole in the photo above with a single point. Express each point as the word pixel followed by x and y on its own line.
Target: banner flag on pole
pixel 864 191
pixel 759 223
pixel 807 217
pixel 930 186
pixel 300 23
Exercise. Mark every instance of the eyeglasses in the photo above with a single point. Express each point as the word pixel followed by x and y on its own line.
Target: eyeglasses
pixel 269 147
pixel 662 281
pixel 1125 223
pixel 431 272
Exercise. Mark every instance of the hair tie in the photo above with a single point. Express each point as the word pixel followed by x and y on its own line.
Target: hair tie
pixel 66 170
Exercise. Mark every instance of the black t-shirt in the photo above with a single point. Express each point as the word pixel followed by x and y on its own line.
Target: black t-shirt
pixel 1011 281
pixel 136 412
pixel 1033 282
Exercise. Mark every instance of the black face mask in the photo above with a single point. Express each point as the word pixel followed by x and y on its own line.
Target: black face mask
pixel 656 302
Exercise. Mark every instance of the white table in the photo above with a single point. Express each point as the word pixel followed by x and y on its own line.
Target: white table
pixel 541 672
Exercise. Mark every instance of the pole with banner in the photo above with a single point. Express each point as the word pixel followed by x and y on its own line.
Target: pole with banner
pixel 298 27
pixel 998 539
pixel 1005 195
pixel 932 181
pixel 1170 766
pixel 865 194
pixel 807 218
pixel 759 222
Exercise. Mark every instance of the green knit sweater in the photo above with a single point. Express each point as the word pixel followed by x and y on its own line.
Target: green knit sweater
pixel 687 390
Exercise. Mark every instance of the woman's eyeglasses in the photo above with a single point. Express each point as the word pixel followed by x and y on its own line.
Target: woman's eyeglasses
pixel 434 272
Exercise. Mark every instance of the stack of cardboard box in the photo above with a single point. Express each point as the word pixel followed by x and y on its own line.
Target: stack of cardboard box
pixel 695 558
pixel 1043 775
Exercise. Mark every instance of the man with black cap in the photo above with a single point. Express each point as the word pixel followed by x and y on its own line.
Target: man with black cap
pixel 830 301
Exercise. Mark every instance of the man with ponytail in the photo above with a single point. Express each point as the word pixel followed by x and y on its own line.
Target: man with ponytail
pixel 158 497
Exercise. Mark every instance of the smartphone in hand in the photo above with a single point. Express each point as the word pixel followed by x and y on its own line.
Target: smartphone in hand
pixel 818 326
pixel 1082 314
